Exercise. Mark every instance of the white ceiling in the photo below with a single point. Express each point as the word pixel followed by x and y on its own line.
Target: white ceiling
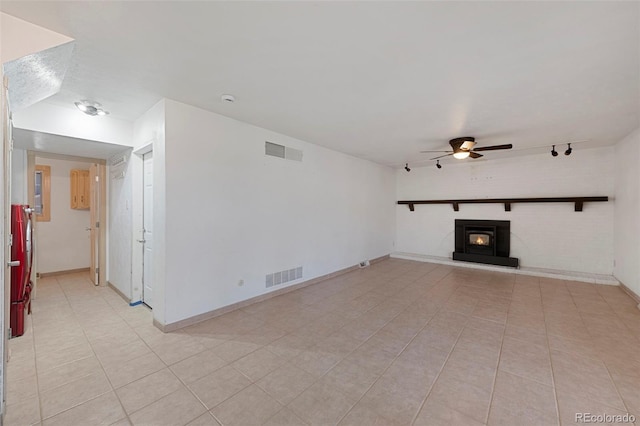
pixel 379 80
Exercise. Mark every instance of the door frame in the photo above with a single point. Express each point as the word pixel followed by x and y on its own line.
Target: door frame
pixel 145 207
pixel 5 231
pixel 98 175
pixel 31 162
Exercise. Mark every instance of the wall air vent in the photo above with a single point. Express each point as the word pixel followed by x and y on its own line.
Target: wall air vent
pixel 282 277
pixel 281 151
pixel 118 160
pixel 118 165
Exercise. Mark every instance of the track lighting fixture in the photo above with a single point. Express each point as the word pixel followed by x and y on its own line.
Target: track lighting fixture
pixel 406 167
pixel 554 152
pixel 568 151
pixel 438 164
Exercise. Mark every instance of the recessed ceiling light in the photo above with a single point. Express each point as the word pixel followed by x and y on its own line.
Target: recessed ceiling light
pixel 228 98
pixel 91 108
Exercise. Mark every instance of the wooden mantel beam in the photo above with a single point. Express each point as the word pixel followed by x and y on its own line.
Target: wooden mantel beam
pixel 578 201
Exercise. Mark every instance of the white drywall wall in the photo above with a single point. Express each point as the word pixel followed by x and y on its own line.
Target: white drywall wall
pixel 63 243
pixel 627 212
pixel 542 235
pixel 233 213
pixel 19 193
pixel 119 229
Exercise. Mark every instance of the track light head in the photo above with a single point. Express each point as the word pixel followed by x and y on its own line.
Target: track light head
pixel 553 151
pixel 569 150
pixel 406 167
pixel 438 165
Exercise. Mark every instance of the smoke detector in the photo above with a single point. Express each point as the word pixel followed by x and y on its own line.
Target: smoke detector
pixel 91 108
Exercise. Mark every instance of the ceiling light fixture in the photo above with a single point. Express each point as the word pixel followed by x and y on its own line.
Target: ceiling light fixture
pixel 569 150
pixel 438 164
pixel 228 98
pixel 461 155
pixel 91 108
pixel 406 167
pixel 553 151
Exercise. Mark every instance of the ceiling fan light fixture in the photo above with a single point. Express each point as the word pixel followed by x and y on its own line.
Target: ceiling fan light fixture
pixel 91 108
pixel 461 155
pixel 438 165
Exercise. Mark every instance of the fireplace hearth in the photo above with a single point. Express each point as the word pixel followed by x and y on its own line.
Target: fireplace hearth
pixel 484 241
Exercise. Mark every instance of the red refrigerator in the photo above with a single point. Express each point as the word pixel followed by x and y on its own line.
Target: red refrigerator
pixel 21 259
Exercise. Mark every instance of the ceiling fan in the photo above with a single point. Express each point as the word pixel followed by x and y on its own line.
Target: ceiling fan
pixel 463 148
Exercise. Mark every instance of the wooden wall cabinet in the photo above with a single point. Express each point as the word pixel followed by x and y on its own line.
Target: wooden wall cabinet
pixel 80 185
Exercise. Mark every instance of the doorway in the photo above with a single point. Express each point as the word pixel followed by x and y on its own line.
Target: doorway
pixel 147 229
pixel 72 236
pixel 97 230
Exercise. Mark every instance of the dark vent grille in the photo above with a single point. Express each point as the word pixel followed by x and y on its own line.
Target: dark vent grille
pixel 274 149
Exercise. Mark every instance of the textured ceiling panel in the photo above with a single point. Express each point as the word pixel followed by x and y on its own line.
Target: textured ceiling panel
pixel 37 76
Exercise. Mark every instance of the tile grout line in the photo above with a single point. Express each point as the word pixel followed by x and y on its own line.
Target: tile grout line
pixel 247 377
pixel 615 386
pixel 361 344
pixel 35 355
pixel 495 377
pixel 348 289
pixel 606 366
pixel 254 382
pixel 553 370
pixel 96 356
pixel 404 348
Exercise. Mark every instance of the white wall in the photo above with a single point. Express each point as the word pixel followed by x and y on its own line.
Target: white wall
pixel 63 243
pixel 627 212
pixel 233 213
pixel 119 231
pixel 19 194
pixel 542 235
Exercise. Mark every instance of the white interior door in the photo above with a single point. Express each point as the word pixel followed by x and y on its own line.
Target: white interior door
pixel 147 233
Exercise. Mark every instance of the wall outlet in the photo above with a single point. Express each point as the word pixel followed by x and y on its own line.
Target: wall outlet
pixel 240 283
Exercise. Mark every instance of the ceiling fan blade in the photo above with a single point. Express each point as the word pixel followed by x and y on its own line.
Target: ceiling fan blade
pixel 494 147
pixel 435 151
pixel 446 155
pixel 475 155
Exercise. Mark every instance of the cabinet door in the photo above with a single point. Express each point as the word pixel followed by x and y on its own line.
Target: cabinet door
pixel 83 189
pixel 74 189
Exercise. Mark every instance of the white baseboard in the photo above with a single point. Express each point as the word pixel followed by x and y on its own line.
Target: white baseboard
pixel 535 272
pixel 223 310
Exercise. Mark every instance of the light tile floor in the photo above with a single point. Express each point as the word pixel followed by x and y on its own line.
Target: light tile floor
pixel 397 343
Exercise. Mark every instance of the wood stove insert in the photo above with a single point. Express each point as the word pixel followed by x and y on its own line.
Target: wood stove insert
pixel 484 241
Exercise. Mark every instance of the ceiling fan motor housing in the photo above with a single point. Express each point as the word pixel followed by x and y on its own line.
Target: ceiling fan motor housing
pixel 465 143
